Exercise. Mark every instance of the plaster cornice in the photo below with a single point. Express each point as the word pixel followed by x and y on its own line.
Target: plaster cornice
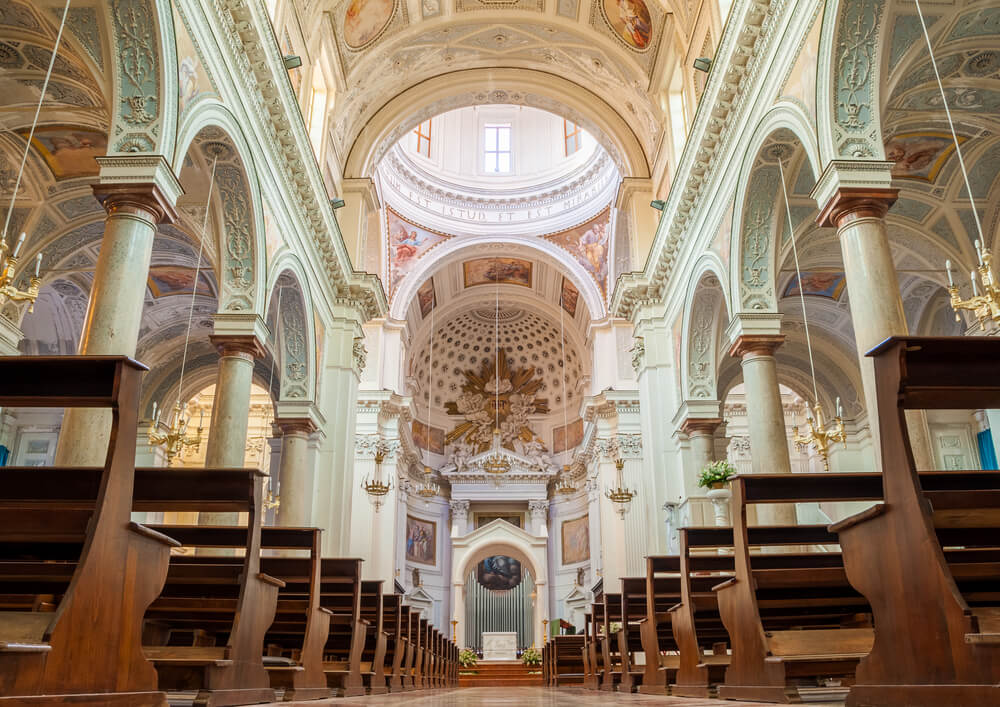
pixel 730 94
pixel 256 60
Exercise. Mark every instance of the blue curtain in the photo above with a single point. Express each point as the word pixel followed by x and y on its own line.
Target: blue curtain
pixel 4 455
pixel 987 454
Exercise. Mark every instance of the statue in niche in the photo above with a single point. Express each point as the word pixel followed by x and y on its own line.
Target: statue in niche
pixel 581 576
pixel 416 577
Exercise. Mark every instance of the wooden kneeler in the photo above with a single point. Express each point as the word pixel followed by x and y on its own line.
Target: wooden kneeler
pixel 88 650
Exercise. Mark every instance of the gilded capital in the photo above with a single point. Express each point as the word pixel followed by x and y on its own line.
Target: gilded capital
pixel 756 344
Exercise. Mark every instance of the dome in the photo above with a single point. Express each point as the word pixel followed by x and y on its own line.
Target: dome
pixel 499 169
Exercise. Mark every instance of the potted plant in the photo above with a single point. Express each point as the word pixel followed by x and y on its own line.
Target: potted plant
pixel 531 657
pixel 716 474
pixel 467 659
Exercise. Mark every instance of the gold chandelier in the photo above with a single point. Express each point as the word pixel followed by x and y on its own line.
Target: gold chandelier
pixel 819 436
pixel 175 440
pixel 377 489
pixel 985 306
pixel 621 496
pixel 497 462
pixel 427 488
pixel 271 500
pixel 563 484
pixel 8 269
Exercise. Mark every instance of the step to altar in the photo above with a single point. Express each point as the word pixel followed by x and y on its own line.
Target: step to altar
pixel 501 674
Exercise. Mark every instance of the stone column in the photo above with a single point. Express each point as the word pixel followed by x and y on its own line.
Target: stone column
pixel 296 472
pixel 701 436
pixel 858 214
pixel 459 518
pixel 114 313
pixel 538 512
pixel 613 549
pixel 227 437
pixel 766 416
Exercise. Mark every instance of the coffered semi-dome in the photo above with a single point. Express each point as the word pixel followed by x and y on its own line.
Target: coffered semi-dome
pixel 466 343
pixel 499 169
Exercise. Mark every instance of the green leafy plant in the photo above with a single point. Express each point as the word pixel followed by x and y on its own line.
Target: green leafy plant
pixel 467 658
pixel 716 473
pixel 531 657
pixel 614 628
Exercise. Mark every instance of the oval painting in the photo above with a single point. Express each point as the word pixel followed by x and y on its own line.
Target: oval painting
pixel 365 20
pixel 630 19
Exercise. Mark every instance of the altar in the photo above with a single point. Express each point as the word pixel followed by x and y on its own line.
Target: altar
pixel 499 645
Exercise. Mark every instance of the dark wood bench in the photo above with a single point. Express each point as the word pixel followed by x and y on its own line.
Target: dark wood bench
pixel 629 638
pixel 936 611
pixel 373 654
pixel 592 654
pixel 296 637
pixel 793 618
pixel 395 637
pixel 565 660
pixel 662 591
pixel 409 622
pixel 72 533
pixel 345 643
pixel 230 598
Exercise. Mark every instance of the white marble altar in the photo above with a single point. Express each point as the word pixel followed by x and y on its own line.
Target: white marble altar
pixel 499 645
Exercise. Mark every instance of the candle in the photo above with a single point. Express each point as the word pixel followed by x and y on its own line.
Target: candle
pixel 979 253
pixel 38 264
pixel 840 410
pixel 17 246
pixel 201 419
pixel 154 409
pixel 951 280
pixel 975 287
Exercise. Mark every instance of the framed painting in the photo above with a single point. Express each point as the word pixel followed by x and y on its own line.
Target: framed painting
pixel 426 297
pixel 429 438
pixel 576 540
pixel 421 541
pixel 490 271
pixel 570 296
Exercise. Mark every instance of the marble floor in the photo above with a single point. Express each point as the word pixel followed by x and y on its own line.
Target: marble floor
pixel 526 697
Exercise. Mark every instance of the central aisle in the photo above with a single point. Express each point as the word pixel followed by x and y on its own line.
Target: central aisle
pixel 526 697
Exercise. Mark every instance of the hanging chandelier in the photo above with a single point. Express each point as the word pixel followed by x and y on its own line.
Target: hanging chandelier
pixel 271 499
pixel 427 488
pixel 819 436
pixel 377 489
pixel 620 496
pixel 8 269
pixel 175 440
pixel 563 484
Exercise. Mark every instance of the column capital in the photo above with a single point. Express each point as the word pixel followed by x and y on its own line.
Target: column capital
pixel 756 344
pixel 242 345
pixel 700 425
pixel 143 183
pixel 295 425
pixel 850 203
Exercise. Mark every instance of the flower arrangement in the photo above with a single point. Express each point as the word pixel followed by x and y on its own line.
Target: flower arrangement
pixel 716 474
pixel 467 658
pixel 531 657
pixel 614 628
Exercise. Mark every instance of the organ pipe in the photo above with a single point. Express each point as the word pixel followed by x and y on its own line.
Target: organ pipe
pixel 487 611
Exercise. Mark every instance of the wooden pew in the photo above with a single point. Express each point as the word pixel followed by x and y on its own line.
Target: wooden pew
pixel 395 649
pixel 82 646
pixel 232 673
pixel 373 654
pixel 697 626
pixel 420 655
pixel 565 660
pixel 348 628
pixel 607 644
pixel 591 651
pixel 937 614
pixel 792 618
pixel 633 615
pixel 296 637
pixel 409 620
pixel 662 591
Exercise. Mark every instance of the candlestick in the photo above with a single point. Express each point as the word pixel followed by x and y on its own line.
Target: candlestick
pixel 17 246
